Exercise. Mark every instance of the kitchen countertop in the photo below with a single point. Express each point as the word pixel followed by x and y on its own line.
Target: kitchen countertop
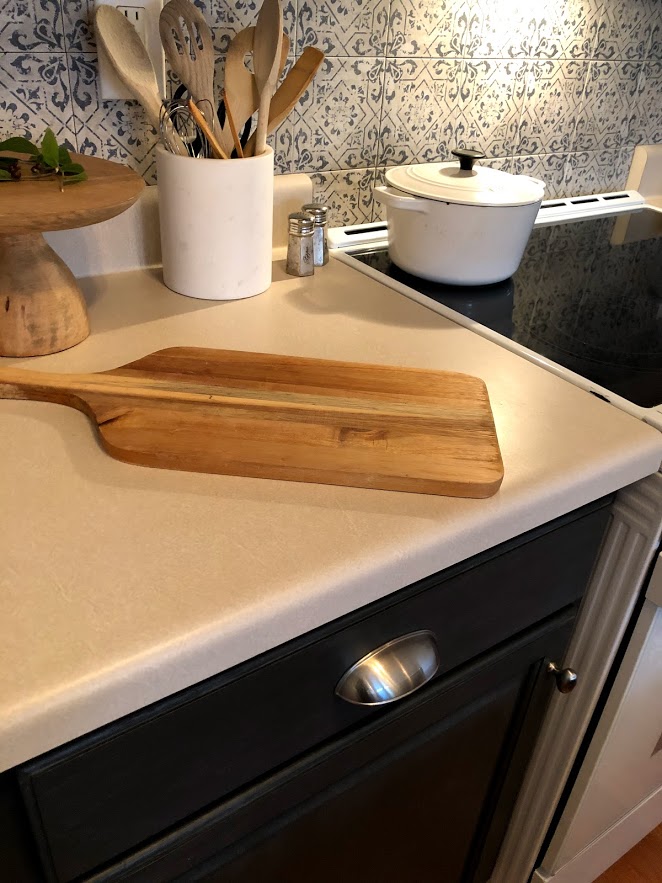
pixel 120 585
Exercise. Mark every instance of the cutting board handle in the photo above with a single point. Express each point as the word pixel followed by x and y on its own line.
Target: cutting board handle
pixel 39 386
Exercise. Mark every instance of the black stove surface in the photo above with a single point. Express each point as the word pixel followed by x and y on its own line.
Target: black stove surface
pixel 576 299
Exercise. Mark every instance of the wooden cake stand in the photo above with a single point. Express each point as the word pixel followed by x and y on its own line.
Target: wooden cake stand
pixel 42 309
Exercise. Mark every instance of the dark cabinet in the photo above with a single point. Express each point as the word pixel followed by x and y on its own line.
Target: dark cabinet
pixel 264 774
pixel 422 793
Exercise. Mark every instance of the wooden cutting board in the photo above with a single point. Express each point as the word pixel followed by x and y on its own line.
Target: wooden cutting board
pixel 269 416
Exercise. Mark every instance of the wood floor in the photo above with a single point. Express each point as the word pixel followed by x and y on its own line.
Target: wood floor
pixel 642 864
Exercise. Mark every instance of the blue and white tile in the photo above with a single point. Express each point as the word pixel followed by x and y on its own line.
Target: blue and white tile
pixel 336 123
pixel 547 167
pixel 430 107
pixel 647 124
pixel 557 30
pixel 34 95
pixel 627 29
pixel 348 195
pixel 434 28
pixel 78 25
pixel 226 17
pixel 596 171
pixel 609 113
pixel 343 29
pixel 551 95
pixel 116 130
pixel 31 26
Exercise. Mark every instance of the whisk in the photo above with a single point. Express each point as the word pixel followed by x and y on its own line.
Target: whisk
pixel 176 114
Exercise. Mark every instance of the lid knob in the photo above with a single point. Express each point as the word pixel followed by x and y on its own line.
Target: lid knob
pixel 467 157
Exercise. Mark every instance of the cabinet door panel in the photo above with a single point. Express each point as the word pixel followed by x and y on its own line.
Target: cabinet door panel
pixel 402 798
pixel 103 795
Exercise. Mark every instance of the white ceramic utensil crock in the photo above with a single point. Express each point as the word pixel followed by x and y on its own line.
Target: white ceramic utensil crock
pixel 458 224
pixel 216 219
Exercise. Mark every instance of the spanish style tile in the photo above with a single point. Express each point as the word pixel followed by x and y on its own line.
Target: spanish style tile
pixel 432 106
pixel 596 171
pixel 348 195
pixel 31 26
pixel 430 28
pixel 34 94
pixel 336 122
pixel 547 167
pixel 78 26
pixel 608 115
pixel 551 93
pixel 340 28
pixel 116 130
pixel 627 28
pixel 558 30
pixel 226 17
pixel 647 125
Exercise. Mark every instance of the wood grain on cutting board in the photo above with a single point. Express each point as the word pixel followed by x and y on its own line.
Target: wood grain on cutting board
pixel 270 416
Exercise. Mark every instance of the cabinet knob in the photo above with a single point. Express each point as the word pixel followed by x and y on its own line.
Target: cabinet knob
pixel 392 671
pixel 566 678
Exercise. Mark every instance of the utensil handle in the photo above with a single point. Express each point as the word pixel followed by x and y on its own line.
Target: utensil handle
pixel 233 128
pixel 400 200
pixel 202 124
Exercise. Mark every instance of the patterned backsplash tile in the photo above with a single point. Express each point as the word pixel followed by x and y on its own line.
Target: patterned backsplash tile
pixel 560 89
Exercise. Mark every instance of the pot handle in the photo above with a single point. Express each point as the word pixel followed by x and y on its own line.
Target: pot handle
pixel 400 200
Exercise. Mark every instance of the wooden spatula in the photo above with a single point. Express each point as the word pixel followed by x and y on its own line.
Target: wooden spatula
pixel 267 43
pixel 270 416
pixel 240 85
pixel 128 56
pixel 290 91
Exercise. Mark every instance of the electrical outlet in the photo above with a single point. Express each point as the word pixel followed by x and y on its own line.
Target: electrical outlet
pixel 145 19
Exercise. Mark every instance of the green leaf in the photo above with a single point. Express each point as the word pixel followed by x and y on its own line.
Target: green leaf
pixel 5 176
pixel 19 145
pixel 64 157
pixel 49 149
pixel 73 179
pixel 73 168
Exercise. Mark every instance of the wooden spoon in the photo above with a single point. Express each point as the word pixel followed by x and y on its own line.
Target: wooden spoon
pixel 189 47
pixel 128 56
pixel 290 91
pixel 267 44
pixel 241 89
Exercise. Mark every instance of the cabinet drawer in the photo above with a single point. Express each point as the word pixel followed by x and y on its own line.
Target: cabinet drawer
pixel 106 793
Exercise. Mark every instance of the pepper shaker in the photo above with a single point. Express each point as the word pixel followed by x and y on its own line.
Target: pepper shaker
pixel 300 261
pixel 320 246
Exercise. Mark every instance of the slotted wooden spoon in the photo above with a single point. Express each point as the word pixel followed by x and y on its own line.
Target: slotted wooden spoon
pixel 188 45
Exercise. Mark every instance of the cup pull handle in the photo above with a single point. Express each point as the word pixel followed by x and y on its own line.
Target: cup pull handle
pixel 392 671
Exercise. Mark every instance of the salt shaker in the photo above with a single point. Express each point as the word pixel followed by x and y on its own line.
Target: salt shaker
pixel 320 247
pixel 300 260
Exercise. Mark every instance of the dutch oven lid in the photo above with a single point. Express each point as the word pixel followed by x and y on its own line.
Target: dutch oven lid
pixel 450 182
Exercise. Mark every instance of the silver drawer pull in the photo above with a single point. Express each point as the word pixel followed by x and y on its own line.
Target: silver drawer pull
pixel 566 678
pixel 392 671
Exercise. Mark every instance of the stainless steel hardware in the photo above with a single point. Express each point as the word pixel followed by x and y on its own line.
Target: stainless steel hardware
pixel 566 678
pixel 392 671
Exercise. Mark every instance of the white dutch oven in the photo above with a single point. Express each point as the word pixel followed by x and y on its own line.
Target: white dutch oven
pixel 459 224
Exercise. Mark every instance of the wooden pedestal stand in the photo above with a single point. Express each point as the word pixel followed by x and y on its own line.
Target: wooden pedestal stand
pixel 42 309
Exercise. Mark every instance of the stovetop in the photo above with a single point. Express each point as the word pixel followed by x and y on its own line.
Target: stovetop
pixel 578 300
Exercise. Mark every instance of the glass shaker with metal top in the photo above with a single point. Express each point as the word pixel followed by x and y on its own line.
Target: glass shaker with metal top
pixel 300 260
pixel 320 246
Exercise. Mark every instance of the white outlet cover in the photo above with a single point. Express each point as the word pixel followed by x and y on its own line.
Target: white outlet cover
pixel 147 20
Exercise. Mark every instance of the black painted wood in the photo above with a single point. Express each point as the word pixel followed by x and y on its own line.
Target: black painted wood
pixel 105 794
pixel 400 798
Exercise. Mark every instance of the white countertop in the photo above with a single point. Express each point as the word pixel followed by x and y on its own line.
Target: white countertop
pixel 120 585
